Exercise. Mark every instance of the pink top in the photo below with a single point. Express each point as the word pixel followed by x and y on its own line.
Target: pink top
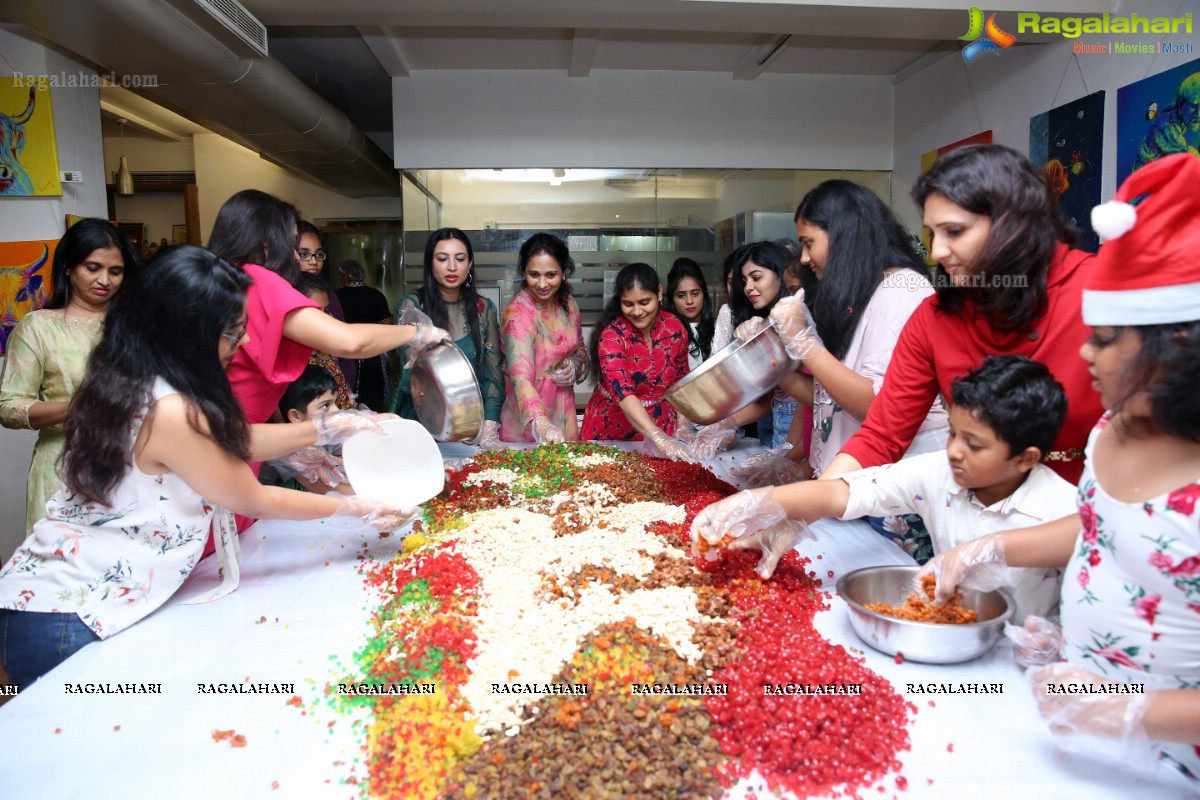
pixel 263 367
pixel 536 339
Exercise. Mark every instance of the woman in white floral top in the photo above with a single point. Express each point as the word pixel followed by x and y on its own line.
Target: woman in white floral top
pixel 1125 666
pixel 156 444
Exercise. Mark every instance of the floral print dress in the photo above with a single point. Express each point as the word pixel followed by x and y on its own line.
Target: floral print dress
pixel 536 340
pixel 1131 593
pixel 629 365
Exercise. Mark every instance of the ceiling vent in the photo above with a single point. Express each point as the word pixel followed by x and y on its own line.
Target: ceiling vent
pixel 235 27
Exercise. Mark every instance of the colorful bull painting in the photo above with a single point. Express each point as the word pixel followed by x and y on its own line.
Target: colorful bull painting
pixel 24 282
pixel 28 154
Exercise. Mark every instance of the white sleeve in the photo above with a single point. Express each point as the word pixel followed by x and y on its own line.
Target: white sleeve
pixel 723 331
pixel 900 488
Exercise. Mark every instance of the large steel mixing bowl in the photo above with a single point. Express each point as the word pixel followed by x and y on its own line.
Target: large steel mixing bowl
pixel 446 394
pixel 927 642
pixel 732 378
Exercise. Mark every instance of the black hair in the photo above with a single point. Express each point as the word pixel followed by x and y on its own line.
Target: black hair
pixel 310 284
pixel 865 240
pixel 166 322
pixel 254 227
pixel 312 383
pixel 1026 226
pixel 638 275
pixel 76 245
pixel 303 226
pixel 353 270
pixel 794 251
pixel 1017 398
pixel 767 255
pixel 727 266
pixel 556 248
pixel 699 341
pixel 429 295
pixel 1166 367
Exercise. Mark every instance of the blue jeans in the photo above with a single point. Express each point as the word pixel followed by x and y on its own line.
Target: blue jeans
pixel 34 642
pixel 781 419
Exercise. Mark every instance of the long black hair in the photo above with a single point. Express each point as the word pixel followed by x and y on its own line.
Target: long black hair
pixel 76 245
pixel 701 339
pixel 429 295
pixel 254 227
pixel 767 255
pixel 556 248
pixel 166 322
pixel 1165 367
pixel 1026 226
pixel 638 275
pixel 865 240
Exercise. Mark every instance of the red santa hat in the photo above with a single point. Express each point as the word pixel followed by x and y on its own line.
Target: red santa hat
pixel 1148 269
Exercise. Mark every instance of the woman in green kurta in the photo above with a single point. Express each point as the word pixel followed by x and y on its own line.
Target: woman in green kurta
pixel 46 353
pixel 449 297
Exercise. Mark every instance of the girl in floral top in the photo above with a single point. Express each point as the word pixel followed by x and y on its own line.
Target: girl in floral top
pixel 155 445
pixel 637 352
pixel 543 346
pixel 1130 638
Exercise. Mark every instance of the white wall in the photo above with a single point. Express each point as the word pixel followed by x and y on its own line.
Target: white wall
pixel 618 118
pixel 224 168
pixel 950 100
pixel 77 135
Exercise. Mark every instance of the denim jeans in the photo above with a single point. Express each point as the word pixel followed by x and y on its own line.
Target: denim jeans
pixel 781 420
pixel 34 642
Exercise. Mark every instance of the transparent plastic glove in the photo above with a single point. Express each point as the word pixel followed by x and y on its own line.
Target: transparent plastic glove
pixel 737 516
pixel 426 335
pixel 571 370
pixel 671 448
pixel 710 438
pixel 334 427
pixel 1107 725
pixel 1037 642
pixel 380 517
pixel 757 460
pixel 489 439
pixel 311 463
pixel 545 432
pixel 751 328
pixel 775 542
pixel 976 559
pixel 795 328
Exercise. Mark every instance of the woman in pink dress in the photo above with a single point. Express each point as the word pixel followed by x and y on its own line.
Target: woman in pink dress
pixel 543 345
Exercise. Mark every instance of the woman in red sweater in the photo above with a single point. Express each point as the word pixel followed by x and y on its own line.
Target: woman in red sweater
pixel 1007 283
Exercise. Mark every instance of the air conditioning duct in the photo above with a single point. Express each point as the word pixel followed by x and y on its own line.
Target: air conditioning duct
pixel 209 72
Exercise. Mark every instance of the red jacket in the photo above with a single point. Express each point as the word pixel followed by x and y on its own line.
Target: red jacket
pixel 935 347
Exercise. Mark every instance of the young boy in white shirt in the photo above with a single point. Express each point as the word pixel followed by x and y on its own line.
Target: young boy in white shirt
pixel 1004 416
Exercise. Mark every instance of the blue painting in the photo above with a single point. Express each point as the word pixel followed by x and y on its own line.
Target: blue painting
pixel 1158 116
pixel 1066 144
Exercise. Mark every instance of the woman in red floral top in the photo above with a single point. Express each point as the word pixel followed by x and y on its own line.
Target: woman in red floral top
pixel 637 352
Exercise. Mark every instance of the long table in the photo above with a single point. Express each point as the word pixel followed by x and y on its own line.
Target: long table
pixel 302 610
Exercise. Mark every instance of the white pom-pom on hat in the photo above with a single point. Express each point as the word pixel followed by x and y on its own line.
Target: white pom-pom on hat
pixel 1114 219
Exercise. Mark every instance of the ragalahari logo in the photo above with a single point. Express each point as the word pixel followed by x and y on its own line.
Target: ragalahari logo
pixel 984 38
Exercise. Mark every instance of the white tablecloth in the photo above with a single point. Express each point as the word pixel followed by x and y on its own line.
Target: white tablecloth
pixel 302 578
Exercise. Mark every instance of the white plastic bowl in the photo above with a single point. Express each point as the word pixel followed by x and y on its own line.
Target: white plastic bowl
pixel 403 468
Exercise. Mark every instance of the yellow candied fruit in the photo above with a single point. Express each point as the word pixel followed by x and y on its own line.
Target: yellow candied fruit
pixel 414 541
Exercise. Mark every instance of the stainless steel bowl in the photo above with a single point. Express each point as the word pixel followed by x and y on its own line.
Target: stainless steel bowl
pixel 446 394
pixel 928 642
pixel 732 378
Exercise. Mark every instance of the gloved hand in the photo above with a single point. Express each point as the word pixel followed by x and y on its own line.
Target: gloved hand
pixel 544 431
pixel 977 559
pixel 1037 642
pixel 489 438
pixel 426 334
pixel 382 518
pixel 795 328
pixel 750 328
pixel 670 447
pixel 753 516
pixel 1119 717
pixel 710 438
pixel 313 464
pixel 571 370
pixel 772 468
pixel 338 426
